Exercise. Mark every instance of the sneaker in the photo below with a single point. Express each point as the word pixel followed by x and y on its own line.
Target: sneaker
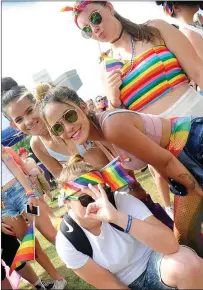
pixel 170 212
pixel 59 284
pixel 47 285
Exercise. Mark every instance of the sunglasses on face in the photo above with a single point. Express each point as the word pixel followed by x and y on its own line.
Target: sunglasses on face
pixel 95 19
pixel 84 199
pixel 70 116
pixel 102 99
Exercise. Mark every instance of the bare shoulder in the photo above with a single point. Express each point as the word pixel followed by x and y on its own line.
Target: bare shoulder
pixel 158 23
pixel 116 122
pixel 36 144
pixel 191 34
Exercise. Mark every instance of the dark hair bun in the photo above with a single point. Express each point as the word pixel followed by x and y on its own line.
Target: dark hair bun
pixel 7 84
pixel 159 3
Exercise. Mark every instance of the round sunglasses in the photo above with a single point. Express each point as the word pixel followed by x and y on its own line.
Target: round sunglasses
pixel 70 116
pixel 83 199
pixel 95 19
pixel 99 100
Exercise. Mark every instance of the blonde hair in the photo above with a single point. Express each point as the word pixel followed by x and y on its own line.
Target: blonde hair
pixel 75 167
pixel 41 90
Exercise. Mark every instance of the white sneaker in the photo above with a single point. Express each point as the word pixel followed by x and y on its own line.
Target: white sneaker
pixel 170 212
pixel 59 284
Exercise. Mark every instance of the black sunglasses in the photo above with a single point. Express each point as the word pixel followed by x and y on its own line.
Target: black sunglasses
pixel 70 116
pixel 99 100
pixel 83 199
pixel 95 19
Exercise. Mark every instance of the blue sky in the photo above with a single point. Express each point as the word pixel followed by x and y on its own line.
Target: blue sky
pixel 35 35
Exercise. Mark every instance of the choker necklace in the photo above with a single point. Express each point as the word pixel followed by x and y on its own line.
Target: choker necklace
pixel 119 36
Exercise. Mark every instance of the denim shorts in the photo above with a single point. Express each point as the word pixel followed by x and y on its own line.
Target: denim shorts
pixel 151 277
pixel 14 200
pixel 192 155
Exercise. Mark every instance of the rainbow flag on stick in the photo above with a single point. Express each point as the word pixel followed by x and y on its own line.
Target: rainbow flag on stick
pixel 115 175
pixel 26 251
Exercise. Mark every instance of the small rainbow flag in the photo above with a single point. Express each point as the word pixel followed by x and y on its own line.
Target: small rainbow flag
pixel 115 175
pixel 26 251
pixel 112 64
pixel 78 183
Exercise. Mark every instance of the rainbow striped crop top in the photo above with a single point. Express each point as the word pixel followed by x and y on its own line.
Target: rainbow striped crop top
pixel 154 74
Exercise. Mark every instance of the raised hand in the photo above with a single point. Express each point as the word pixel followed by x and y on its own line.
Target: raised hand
pixel 101 209
pixel 6 229
pixel 113 83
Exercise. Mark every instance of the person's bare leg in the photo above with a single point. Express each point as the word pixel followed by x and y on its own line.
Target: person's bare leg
pixel 48 193
pixel 45 262
pixel 28 274
pixel 44 206
pixel 183 270
pixel 5 284
pixel 44 225
pixel 19 227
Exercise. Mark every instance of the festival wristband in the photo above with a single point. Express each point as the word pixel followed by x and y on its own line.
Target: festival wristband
pixel 129 224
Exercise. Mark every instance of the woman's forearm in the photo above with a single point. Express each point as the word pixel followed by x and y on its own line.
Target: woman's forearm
pixel 158 237
pixel 176 170
pixel 18 173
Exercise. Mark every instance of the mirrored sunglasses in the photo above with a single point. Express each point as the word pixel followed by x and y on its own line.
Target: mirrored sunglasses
pixel 70 116
pixel 95 19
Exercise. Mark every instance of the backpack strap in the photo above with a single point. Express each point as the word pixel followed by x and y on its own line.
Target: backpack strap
pixel 73 232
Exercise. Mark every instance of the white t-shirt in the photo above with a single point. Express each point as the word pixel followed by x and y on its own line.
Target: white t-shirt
pixel 116 251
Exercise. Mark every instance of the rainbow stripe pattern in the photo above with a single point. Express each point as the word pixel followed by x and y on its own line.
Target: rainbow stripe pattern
pixel 179 134
pixel 154 74
pixel 77 7
pixel 26 251
pixel 115 175
pixel 73 186
pixel 168 8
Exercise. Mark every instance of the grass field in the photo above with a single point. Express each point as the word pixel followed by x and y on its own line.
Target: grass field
pixel 73 281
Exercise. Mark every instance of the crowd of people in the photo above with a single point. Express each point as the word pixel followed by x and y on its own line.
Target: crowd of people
pixel 151 115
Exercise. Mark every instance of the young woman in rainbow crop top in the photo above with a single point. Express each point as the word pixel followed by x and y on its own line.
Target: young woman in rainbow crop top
pixel 140 139
pixel 146 67
pixel 149 63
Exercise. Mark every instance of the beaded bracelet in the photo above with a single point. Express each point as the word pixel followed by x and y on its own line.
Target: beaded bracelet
pixel 129 224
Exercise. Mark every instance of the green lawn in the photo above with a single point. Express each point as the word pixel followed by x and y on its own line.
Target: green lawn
pixel 73 281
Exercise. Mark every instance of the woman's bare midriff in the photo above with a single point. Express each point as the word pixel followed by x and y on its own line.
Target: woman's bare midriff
pixel 167 101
